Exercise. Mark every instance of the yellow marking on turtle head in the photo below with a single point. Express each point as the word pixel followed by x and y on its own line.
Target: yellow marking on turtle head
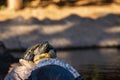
pixel 41 56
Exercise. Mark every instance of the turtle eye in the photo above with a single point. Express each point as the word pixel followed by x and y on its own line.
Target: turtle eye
pixel 45 46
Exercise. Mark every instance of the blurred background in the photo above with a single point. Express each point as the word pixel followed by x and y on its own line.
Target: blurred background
pixel 85 33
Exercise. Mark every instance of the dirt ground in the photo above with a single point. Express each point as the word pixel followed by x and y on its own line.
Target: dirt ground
pixel 54 12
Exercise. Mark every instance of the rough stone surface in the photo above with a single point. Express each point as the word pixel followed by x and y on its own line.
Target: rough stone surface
pixel 47 68
pixel 72 31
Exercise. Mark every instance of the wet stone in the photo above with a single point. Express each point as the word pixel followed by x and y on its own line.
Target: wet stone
pixel 51 73
pixel 52 69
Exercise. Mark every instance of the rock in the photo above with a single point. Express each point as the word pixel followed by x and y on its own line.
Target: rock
pixel 4 67
pixel 18 21
pixel 54 69
pixel 72 31
pixel 33 21
pixel 5 60
pixel 5 56
pixel 2 48
pixel 47 68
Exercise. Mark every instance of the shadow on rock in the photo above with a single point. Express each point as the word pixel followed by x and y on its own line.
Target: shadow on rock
pixel 5 60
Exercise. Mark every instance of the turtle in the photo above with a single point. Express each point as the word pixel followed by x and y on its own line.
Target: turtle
pixel 40 50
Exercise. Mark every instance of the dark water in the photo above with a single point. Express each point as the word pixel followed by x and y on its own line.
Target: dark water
pixel 98 64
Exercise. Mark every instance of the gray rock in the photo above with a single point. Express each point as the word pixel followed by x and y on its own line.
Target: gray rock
pixel 73 31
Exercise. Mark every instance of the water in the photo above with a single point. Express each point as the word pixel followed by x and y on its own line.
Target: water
pixel 97 64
